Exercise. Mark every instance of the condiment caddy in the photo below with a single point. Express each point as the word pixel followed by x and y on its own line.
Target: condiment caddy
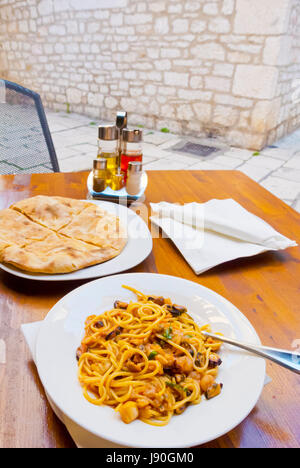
pixel 118 169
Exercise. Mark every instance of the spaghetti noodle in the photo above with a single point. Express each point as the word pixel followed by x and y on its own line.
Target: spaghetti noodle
pixel 147 359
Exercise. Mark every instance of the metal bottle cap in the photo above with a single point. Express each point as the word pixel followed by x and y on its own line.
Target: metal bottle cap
pixel 107 132
pixel 132 136
pixel 100 164
pixel 135 166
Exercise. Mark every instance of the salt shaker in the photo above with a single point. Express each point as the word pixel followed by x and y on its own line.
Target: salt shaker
pixel 134 177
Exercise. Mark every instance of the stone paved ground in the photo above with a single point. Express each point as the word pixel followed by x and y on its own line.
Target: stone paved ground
pixel 277 168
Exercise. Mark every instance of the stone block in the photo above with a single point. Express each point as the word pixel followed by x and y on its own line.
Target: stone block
pixel 150 90
pixel 261 16
pixel 111 102
pixel 79 5
pixel 161 25
pixel 209 51
pixel 210 9
pixel 116 19
pixel 180 26
pixel 238 57
pixel 138 18
pixel 93 28
pixel 219 25
pixel 177 8
pixel 246 47
pixel 281 188
pixel 266 162
pixel 74 96
pixel 169 52
pixel 95 99
pixel 225 116
pixel 217 83
pixel 196 82
pixel 203 111
pixel 176 79
pixel 167 90
pixel 45 7
pixel 129 104
pixel 57 30
pixel 162 64
pixel 190 94
pixel 192 5
pixel 59 48
pixel 223 69
pixel 198 26
pixel 277 50
pixel 243 139
pixel 228 7
pixel 23 26
pixel 157 7
pixel 265 115
pixel 255 81
pixel 254 172
pixel 168 111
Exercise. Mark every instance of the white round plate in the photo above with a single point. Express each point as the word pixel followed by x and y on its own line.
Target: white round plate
pixel 138 247
pixel 61 332
pixel 108 193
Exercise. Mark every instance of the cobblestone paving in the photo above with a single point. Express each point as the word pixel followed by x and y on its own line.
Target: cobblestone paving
pixel 277 168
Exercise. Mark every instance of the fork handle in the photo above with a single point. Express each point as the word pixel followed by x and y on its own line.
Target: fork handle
pixel 283 357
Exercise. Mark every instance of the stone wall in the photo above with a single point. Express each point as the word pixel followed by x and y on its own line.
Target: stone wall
pixel 288 87
pixel 223 68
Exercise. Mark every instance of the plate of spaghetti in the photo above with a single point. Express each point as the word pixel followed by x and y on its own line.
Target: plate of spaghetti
pixel 131 365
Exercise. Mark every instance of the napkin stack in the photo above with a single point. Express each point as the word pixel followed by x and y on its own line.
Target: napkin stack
pixel 215 232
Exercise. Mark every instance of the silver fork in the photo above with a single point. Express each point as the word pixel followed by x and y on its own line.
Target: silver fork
pixel 282 357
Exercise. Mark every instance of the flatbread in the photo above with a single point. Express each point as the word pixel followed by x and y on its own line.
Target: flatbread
pixel 56 254
pixel 51 212
pixel 17 229
pixel 58 235
pixel 95 226
pixel 3 245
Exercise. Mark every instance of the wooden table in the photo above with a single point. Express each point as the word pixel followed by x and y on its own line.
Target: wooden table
pixel 266 288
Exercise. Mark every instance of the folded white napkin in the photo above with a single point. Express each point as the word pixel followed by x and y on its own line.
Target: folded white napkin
pixel 81 437
pixel 208 234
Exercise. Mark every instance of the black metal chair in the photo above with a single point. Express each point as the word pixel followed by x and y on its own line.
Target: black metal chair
pixel 26 144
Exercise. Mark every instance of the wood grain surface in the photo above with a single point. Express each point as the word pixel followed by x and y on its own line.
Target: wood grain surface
pixel 265 288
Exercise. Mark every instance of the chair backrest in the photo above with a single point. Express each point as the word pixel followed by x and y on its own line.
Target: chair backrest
pixel 26 145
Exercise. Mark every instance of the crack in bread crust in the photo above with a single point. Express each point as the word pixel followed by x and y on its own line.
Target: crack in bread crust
pixel 58 235
pixel 53 213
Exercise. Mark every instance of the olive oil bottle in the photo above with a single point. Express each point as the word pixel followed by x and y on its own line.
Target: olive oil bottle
pixel 108 149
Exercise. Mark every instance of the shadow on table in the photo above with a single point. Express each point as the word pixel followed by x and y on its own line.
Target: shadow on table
pixel 267 259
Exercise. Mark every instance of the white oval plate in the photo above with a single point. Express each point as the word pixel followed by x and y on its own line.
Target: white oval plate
pixel 241 373
pixel 138 247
